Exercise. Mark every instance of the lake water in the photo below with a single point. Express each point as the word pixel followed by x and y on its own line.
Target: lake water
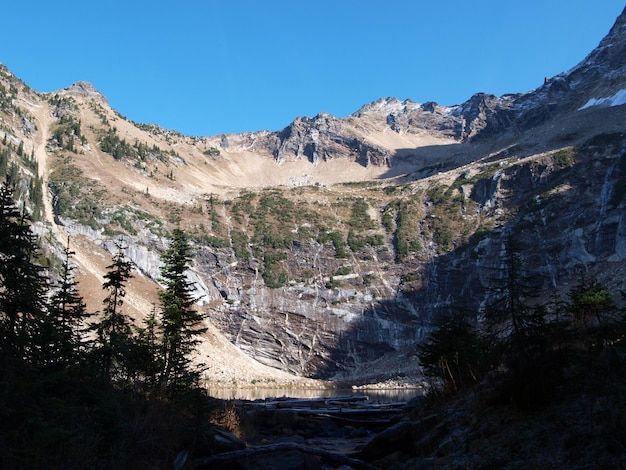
pixel 375 395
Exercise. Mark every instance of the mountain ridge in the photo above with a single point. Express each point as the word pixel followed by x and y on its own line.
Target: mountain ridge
pixel 325 249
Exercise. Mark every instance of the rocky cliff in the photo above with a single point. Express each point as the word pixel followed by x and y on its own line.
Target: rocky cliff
pixel 326 248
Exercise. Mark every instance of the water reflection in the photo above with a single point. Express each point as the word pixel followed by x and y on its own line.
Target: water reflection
pixel 260 393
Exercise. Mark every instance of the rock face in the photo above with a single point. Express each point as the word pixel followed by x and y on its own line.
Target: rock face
pixel 566 209
pixel 566 219
pixel 341 282
pixel 86 90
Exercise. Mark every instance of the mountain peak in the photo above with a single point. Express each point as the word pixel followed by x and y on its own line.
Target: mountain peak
pixel 618 29
pixel 85 90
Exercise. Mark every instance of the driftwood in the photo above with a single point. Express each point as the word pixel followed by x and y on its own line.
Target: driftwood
pixel 274 415
pixel 252 452
pixel 348 409
pixel 309 402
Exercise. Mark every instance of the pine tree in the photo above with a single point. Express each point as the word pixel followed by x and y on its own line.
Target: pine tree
pixel 526 341
pixel 114 329
pixel 146 358
pixel 512 322
pixel 69 315
pixel 455 352
pixel 181 323
pixel 596 319
pixel 23 284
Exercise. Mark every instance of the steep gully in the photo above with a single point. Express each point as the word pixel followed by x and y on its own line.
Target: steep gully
pixel 89 261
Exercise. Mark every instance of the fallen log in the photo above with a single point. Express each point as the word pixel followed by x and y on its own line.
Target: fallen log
pixel 249 454
pixel 310 402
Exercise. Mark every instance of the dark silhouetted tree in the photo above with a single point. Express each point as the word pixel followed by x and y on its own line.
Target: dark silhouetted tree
pixel 69 315
pixel 23 284
pixel 455 352
pixel 114 329
pixel 513 323
pixel 181 323
pixel 146 359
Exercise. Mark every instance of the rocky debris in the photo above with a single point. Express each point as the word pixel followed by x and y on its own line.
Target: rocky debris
pixel 311 433
pixel 404 437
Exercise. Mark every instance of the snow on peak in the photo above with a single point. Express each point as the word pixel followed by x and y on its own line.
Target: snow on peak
pixel 616 99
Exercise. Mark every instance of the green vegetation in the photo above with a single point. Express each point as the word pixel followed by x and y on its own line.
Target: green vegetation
pixel 273 221
pixel 441 231
pixel 7 97
pixel 120 149
pixel 455 353
pixel 68 316
pixel 212 152
pixel 343 270
pixel 66 132
pixel 22 282
pixel 357 242
pixel 336 238
pixel 23 173
pixel 114 327
pixel 438 194
pixel 408 216
pixel 240 244
pixel 76 196
pixel 564 157
pixel 332 283
pixel 360 218
pixel 99 111
pixel 273 276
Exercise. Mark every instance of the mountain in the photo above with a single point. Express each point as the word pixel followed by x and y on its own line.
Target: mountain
pixel 324 250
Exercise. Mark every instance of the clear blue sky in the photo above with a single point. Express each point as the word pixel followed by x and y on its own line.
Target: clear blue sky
pixel 212 67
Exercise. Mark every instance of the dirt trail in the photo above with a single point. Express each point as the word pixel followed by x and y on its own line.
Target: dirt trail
pixel 41 112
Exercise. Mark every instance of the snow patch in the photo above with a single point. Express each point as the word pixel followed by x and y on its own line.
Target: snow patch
pixel 617 99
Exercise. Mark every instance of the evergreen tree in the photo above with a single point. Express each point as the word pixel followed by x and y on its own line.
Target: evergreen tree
pixel 114 329
pixel 69 314
pixel 512 323
pixel 181 323
pixel 595 317
pixel 23 285
pixel 527 343
pixel 455 352
pixel 146 358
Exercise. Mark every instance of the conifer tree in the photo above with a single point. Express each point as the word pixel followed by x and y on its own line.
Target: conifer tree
pixel 114 329
pixel 23 284
pixel 512 322
pixel 69 315
pixel 181 323
pixel 146 358
pixel 455 352
pixel 595 317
